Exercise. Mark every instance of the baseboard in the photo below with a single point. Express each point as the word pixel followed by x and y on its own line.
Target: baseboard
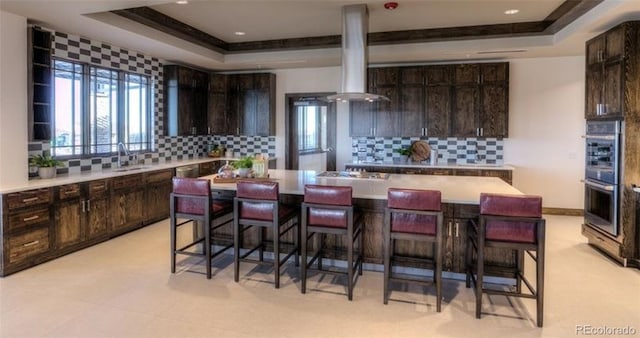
pixel 563 211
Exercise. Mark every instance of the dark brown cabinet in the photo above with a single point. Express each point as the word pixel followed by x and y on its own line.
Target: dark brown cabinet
pixel 26 230
pixel 127 202
pixel 40 84
pixel 252 104
pixel 219 118
pixel 81 213
pixel 604 77
pixel 158 188
pixel 481 100
pixel 377 118
pixel 185 101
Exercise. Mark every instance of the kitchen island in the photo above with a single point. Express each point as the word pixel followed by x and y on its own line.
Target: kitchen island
pixel 460 198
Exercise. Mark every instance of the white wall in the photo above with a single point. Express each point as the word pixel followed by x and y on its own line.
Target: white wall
pixel 316 162
pixel 546 121
pixel 13 100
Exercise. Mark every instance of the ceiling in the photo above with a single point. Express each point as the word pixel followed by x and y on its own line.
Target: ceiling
pixel 319 21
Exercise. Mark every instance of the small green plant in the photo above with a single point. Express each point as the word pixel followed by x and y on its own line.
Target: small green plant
pixel 403 151
pixel 244 162
pixel 44 161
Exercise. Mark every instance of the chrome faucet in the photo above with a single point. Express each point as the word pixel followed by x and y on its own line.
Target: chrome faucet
pixel 122 147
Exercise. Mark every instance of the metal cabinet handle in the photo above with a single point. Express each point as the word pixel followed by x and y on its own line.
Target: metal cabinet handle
pixel 101 186
pixel 30 243
pixel 449 227
pixel 88 205
pixel 31 199
pixel 457 230
pixel 481 131
pixel 83 207
pixel 34 217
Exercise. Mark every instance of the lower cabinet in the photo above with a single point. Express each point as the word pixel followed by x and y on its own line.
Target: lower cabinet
pixel 97 210
pixel 505 175
pixel 158 188
pixel 127 202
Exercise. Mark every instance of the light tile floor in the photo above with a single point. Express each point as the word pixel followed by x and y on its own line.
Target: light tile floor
pixel 123 288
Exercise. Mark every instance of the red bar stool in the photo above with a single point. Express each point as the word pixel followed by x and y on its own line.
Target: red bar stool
pixel 191 202
pixel 513 222
pixel 256 204
pixel 329 210
pixel 414 215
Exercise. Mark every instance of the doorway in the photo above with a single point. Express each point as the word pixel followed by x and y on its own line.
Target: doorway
pixel 310 129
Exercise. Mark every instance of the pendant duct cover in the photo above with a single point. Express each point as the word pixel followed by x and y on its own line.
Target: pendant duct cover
pixel 354 56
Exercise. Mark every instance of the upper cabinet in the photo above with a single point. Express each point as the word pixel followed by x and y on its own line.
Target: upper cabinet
pixel 40 87
pixel 462 100
pixel 185 101
pixel 251 100
pixel 608 60
pixel 218 119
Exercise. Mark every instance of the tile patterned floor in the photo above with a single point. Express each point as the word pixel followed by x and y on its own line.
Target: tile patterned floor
pixel 123 288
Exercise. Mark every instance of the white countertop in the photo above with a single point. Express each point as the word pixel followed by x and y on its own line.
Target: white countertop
pixel 427 165
pixel 455 189
pixel 36 183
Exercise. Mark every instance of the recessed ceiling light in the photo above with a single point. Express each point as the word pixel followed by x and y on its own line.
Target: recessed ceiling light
pixel 239 33
pixel 511 11
pixel 182 2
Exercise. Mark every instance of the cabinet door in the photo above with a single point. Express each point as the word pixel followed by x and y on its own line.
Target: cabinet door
pixel 157 201
pixel 387 76
pixel 464 119
pixel 361 118
pixel 466 74
pixel 263 117
pixel 411 76
pixel 386 114
pixel 613 89
pixel 494 72
pixel 127 208
pixel 595 48
pixel 448 247
pixel 217 117
pixel 494 119
pixel 247 112
pixel 97 217
pixel 411 114
pixel 185 119
pixel 459 239
pixel 593 90
pixel 185 77
pixel 200 111
pixel 614 44
pixel 68 223
pixel 438 75
pixel 438 111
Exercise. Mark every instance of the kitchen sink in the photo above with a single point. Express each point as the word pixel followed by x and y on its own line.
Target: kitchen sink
pixel 354 175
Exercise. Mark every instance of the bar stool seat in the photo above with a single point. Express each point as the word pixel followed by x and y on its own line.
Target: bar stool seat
pixel 414 215
pixel 514 222
pixel 329 210
pixel 191 202
pixel 256 205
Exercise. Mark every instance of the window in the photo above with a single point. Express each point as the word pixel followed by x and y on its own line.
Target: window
pixel 96 108
pixel 312 134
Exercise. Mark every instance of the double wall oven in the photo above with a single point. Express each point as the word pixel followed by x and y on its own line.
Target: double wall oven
pixel 602 175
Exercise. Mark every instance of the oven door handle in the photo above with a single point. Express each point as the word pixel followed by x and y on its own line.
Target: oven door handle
pixel 600 137
pixel 599 186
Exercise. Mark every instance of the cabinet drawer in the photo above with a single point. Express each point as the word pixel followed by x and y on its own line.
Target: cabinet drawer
pixel 160 176
pixel 28 198
pixel 28 244
pixel 69 191
pixel 27 218
pixel 98 188
pixel 128 181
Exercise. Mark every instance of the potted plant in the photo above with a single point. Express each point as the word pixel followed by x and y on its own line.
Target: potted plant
pixel 404 153
pixel 243 165
pixel 46 165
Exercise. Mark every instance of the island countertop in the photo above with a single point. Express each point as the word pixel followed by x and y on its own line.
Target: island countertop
pixel 455 189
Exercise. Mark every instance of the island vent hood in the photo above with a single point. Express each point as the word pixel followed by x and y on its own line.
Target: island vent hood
pixel 355 22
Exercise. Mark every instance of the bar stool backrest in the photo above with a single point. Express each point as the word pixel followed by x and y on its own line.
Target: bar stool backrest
pixel 258 200
pixel 514 217
pixel 426 200
pixel 200 189
pixel 328 205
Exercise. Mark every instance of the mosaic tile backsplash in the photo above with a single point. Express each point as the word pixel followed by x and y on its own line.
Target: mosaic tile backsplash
pixel 72 47
pixel 450 150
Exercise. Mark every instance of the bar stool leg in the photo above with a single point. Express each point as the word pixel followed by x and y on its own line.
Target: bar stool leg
pixel 361 249
pixel 261 243
pixel 276 252
pixel 438 272
pixel 540 281
pixel 236 248
pixel 320 239
pixel 519 269
pixel 351 268
pixel 386 248
pixel 173 243
pixel 207 246
pixel 303 254
pixel 480 274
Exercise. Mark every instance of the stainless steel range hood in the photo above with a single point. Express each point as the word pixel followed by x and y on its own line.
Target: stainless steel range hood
pixel 355 25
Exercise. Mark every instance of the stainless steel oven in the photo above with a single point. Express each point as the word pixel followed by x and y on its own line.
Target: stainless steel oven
pixel 602 171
